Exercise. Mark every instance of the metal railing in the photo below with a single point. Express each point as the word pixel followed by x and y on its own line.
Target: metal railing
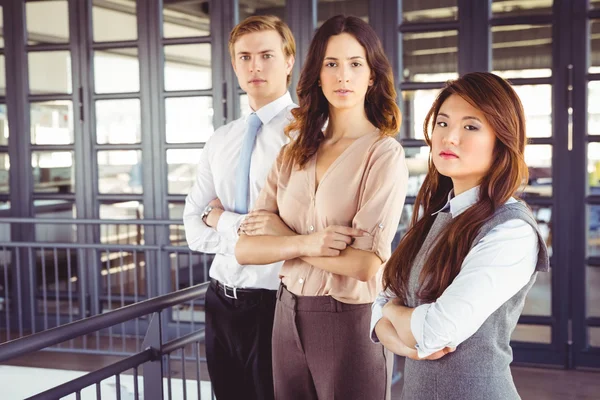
pixel 45 284
pixel 156 353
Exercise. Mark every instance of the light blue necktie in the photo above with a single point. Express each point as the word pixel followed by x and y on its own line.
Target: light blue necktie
pixel 242 176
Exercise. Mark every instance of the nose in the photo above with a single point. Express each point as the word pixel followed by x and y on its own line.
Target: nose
pixel 451 136
pixel 343 75
pixel 255 64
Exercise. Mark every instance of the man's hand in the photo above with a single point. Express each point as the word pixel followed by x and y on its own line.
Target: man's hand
pixel 213 217
pixel 265 223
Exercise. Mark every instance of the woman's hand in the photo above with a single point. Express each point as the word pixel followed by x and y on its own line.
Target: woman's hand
pixel 265 223
pixel 329 242
pixel 389 338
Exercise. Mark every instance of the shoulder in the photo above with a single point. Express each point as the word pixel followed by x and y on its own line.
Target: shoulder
pixel 224 131
pixel 387 152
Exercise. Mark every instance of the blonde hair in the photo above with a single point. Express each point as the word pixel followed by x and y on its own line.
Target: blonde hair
pixel 259 23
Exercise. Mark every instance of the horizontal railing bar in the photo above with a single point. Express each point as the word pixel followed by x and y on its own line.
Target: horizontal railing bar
pixel 13 220
pixel 94 377
pixel 51 245
pixel 63 333
pixel 183 341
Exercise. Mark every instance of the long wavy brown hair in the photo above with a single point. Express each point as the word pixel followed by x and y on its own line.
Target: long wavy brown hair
pixel 502 108
pixel 380 101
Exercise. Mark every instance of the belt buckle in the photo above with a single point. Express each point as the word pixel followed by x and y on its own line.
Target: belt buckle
pixel 232 289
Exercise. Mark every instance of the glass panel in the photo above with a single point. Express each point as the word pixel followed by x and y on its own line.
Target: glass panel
pixel 182 166
pixel 330 8
pixel 522 51
pixel 593 157
pixel 594 4
pixel 120 171
pixel 543 217
pixel 177 232
pixel 3 125
pixel 62 233
pixel 593 108
pixel 4 173
pixel 53 171
pixel 430 56
pixel 532 334
pixel 118 121
pixel 416 161
pixel 262 7
pixel 52 122
pixel 182 18
pixel 122 233
pixel 539 298
pixel 50 72
pixel 593 218
pixel 189 119
pixel 416 106
pixel 117 71
pixel 539 160
pixel 2 75
pixel 537 102
pixel 188 269
pixel 592 278
pixel 505 8
pixel 594 38
pixel 438 10
pixel 404 224
pixel 114 20
pixel 47 22
pixel 187 67
pixel 594 337
pixel 123 274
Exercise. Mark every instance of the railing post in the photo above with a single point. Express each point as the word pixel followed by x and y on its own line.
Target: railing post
pixel 153 371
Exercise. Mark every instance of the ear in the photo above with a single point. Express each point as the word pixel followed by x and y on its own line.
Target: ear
pixel 290 64
pixel 371 82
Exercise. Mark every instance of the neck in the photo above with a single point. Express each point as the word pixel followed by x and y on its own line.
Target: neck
pixel 348 124
pixel 256 103
pixel 461 186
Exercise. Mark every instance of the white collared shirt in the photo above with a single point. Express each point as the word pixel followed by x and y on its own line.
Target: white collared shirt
pixel 215 178
pixel 493 271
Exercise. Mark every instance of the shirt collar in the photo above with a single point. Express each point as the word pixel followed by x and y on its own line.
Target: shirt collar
pixel 458 204
pixel 268 112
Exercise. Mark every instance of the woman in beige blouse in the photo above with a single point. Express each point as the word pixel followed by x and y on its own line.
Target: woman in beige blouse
pixel 330 209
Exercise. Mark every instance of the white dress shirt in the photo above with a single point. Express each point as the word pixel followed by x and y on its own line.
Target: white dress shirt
pixel 493 271
pixel 215 178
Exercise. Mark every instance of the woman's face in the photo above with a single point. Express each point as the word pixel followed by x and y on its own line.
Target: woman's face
pixel 462 143
pixel 345 74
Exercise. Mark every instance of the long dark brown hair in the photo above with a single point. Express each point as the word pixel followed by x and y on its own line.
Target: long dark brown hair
pixel 503 111
pixel 313 110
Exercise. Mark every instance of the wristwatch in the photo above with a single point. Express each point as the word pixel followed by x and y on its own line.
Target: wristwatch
pixel 205 213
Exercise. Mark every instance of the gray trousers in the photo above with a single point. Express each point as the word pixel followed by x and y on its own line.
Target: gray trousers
pixel 322 350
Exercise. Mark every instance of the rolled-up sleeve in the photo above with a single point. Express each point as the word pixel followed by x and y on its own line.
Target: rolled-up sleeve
pixel 500 265
pixel 382 201
pixel 377 312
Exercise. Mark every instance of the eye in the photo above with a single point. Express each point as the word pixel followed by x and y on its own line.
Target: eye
pixel 471 128
pixel 267 55
pixel 331 64
pixel 442 124
pixel 244 58
pixel 356 64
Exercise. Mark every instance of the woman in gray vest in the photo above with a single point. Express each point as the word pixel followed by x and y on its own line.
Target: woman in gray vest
pixel 456 284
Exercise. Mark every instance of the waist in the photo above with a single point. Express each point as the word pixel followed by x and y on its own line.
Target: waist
pixel 232 292
pixel 315 303
pixel 226 270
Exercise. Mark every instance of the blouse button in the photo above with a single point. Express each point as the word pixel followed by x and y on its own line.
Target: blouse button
pixel 301 280
pixel 380 226
pixel 311 228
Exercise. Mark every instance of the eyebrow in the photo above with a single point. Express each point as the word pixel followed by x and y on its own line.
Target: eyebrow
pixel 349 58
pixel 260 52
pixel 466 117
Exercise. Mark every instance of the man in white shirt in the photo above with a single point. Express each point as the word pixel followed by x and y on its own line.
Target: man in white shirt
pixel 233 167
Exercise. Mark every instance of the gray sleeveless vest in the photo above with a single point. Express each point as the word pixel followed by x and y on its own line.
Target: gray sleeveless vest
pixel 479 368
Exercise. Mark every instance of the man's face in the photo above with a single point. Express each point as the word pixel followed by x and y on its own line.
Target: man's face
pixel 261 66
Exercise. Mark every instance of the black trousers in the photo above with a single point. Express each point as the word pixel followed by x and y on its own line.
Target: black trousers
pixel 238 342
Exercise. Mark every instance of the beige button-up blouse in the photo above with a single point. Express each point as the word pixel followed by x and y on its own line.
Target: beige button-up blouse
pixel 364 187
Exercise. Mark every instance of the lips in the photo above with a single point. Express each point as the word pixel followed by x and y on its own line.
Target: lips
pixel 343 91
pixel 447 155
pixel 256 81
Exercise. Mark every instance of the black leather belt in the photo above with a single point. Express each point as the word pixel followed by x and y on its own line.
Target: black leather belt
pixel 236 293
